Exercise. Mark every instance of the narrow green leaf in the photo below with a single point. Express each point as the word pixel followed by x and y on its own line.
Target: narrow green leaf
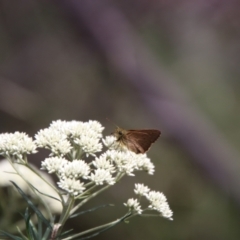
pixel 21 233
pixel 65 234
pixel 9 236
pixel 39 229
pixel 45 194
pixel 103 230
pixel 47 233
pixel 30 203
pixel 29 227
pixel 34 230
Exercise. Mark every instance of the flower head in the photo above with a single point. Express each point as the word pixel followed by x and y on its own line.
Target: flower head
pixel 127 162
pixel 133 205
pixel 143 163
pixel 101 176
pixel 72 186
pixel 109 141
pixel 104 162
pixel 75 170
pixel 54 140
pixel 54 164
pixel 90 145
pixel 141 189
pixel 84 135
pixel 16 144
pixel 124 161
pixel 158 202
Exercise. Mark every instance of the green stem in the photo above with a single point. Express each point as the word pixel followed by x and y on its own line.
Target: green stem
pixel 48 183
pixel 118 177
pixel 87 192
pixel 66 210
pixel 107 225
pixel 87 199
pixel 89 184
pixel 65 215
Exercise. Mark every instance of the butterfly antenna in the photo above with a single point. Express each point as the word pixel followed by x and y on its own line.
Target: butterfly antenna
pixel 112 122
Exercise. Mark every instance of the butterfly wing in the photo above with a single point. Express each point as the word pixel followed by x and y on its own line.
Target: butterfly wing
pixel 139 141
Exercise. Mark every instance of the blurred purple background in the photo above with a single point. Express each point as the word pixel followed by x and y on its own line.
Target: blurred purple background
pixel 169 65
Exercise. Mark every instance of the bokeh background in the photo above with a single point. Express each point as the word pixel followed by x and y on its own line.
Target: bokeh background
pixel 170 65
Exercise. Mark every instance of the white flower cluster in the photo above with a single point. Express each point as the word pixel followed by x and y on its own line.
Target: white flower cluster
pixel 125 162
pixel 54 140
pixel 70 142
pixel 134 205
pixel 74 176
pixel 16 145
pixel 157 200
pixel 62 136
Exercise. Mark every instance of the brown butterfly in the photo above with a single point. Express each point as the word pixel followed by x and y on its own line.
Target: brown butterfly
pixel 138 141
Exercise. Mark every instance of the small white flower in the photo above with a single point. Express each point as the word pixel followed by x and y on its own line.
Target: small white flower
pixel 133 205
pixel 59 136
pixel 91 128
pixel 75 128
pixel 16 144
pixel 95 126
pixel 143 163
pixel 72 186
pixel 101 176
pixel 166 211
pixel 110 142
pixel 104 162
pixel 87 136
pixel 127 161
pixel 54 164
pixel 71 129
pixel 54 140
pixel 60 126
pixel 75 169
pixel 155 196
pixel 158 202
pixel 124 161
pixel 89 145
pixel 141 189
